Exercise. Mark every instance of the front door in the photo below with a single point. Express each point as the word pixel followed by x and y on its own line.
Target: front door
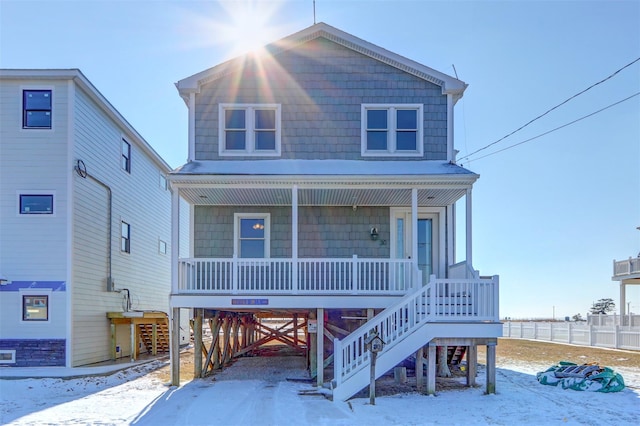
pixel 428 241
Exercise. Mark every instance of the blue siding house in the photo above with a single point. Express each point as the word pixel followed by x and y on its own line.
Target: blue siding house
pixel 322 186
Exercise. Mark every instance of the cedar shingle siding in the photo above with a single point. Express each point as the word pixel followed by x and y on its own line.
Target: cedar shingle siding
pixel 321 86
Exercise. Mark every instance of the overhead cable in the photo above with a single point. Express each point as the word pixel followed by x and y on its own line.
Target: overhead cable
pixel 551 109
pixel 557 128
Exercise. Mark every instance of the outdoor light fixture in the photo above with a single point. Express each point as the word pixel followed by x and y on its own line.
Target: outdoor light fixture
pixel 374 233
pixel 3 279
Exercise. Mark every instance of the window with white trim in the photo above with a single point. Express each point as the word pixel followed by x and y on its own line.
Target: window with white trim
pixel 36 109
pixel 125 237
pixel 249 129
pixel 252 235
pixel 392 130
pixel 7 356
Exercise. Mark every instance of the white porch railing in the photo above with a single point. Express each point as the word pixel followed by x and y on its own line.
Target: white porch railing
pixel 626 267
pixel 439 300
pixel 352 276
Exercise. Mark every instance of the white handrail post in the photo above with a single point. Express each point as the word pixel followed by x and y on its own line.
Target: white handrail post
pixel 432 299
pixel 354 274
pixel 496 297
pixel 235 272
pixel 337 361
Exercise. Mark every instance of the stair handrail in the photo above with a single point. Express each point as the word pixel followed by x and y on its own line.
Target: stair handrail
pixel 427 303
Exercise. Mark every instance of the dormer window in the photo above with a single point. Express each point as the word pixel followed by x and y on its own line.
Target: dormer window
pixel 392 130
pixel 252 130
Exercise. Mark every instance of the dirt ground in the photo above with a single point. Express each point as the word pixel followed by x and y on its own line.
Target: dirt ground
pixel 508 351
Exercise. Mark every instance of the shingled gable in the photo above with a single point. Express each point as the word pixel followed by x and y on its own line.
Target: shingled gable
pixel 448 84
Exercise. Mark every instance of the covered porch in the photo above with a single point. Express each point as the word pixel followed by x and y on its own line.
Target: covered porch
pixel 626 272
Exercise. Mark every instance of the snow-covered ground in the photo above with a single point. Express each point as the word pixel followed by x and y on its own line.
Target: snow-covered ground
pixel 255 391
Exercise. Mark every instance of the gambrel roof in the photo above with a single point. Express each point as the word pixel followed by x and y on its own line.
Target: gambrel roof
pixel 448 84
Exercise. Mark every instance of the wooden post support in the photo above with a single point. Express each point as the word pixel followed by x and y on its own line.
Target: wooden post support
pixel 134 349
pixel 175 347
pixel 226 344
pixel 491 368
pixel 431 369
pixel 236 338
pixel 113 341
pixel 197 343
pixel 372 378
pixel 295 329
pixel 320 341
pixel 154 339
pixel 400 374
pixel 472 364
pixel 420 369
pixel 313 349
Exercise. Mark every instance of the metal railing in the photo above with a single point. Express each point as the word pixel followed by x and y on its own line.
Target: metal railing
pixel 295 276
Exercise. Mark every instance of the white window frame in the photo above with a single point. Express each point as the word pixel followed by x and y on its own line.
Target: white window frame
pixel 391 130
pixel 250 129
pixel 162 181
pixel 11 352
pixel 36 192
pixel 267 231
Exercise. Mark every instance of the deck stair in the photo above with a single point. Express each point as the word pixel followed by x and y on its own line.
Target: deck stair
pixel 455 354
pixel 145 333
pixel 413 321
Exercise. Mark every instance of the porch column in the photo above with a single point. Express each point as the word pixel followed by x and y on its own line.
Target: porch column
pixel 175 238
pixel 294 238
pixel 320 342
pixel 414 225
pixel 469 230
pixel 175 347
pixel 623 299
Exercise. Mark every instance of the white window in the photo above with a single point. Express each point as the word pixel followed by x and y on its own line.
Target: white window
pixel 392 130
pixel 162 247
pixel 163 182
pixel 249 129
pixel 35 307
pixel 252 235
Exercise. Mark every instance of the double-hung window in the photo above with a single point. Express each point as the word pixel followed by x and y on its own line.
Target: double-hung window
pixel 36 109
pixel 125 237
pixel 392 130
pixel 125 160
pixel 249 129
pixel 252 235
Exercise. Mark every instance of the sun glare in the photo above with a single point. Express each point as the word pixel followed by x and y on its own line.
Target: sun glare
pixel 248 26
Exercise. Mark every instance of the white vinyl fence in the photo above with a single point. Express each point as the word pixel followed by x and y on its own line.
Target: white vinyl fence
pixel 606 336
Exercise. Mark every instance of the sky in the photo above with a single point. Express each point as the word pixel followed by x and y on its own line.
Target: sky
pixel 549 215
pixel 254 389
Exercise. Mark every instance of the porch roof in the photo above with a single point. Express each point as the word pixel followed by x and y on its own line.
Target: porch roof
pixel 321 182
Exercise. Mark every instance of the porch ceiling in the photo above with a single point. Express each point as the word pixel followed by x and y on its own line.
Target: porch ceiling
pixel 233 196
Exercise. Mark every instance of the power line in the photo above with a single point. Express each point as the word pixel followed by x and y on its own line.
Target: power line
pixel 551 109
pixel 557 128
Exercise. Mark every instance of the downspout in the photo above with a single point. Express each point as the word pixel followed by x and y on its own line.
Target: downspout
pixel 81 170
